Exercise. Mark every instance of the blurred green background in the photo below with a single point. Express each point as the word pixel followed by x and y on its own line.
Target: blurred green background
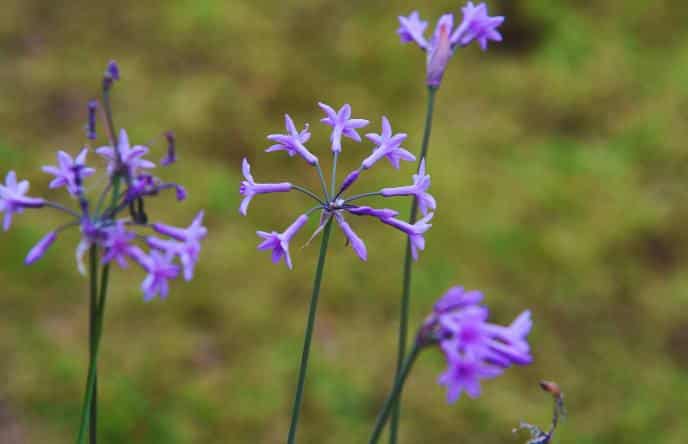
pixel 558 161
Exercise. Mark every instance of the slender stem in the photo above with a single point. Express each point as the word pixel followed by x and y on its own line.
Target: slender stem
pixel 394 394
pixel 101 198
pixel 361 196
pixel 296 410
pixel 98 334
pixel 334 172
pixel 406 291
pixel 110 123
pixel 93 314
pixel 307 192
pixel 64 209
pixel 322 181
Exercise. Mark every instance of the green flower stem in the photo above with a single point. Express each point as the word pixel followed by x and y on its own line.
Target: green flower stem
pixel 391 401
pixel 322 182
pixel 334 173
pixel 406 292
pixel 98 298
pixel 93 314
pixel 298 397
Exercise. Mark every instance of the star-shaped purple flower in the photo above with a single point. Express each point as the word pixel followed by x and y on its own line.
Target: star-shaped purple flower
pixel 293 142
pixel 68 170
pixel 250 188
pixel 388 145
pixel 412 28
pixel 279 242
pixel 421 183
pixel 464 374
pixel 342 125
pixel 13 198
pixel 130 156
pixel 477 25
pixel 160 270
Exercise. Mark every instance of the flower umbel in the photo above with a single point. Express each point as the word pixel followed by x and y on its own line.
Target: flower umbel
pixel 113 221
pixel 474 348
pixel 333 204
pixel 476 25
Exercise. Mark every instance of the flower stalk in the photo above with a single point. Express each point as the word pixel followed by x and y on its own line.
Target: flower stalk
pixel 391 402
pixel 310 326
pixel 406 279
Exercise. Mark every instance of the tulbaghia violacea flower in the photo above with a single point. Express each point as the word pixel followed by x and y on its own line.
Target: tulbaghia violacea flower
pixel 131 157
pixel 387 145
pixel 250 188
pixel 421 183
pixel 13 198
pixel 112 223
pixel 293 142
pixel 475 349
pixel 333 203
pixel 476 25
pixel 342 125
pixel 67 171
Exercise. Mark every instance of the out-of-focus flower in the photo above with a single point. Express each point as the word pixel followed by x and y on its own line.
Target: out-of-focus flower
pixel 40 248
pixel 13 198
pixel 69 171
pixel 160 270
pixel 476 25
pixel 118 244
pixel 475 349
pixel 130 156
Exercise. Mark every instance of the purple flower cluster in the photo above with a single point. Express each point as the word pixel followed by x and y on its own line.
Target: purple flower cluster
pixel 332 204
pixel 476 25
pixel 474 348
pixel 114 222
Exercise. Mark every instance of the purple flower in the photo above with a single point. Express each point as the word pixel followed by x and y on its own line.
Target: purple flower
pixel 336 205
pixel 194 233
pixel 13 198
pixel 477 25
pixel 279 242
pixel 475 349
pixel 342 125
pixel 188 253
pixel 465 374
pixel 69 172
pixel 112 70
pixel 250 188
pixel 118 244
pixel 384 213
pixel 389 146
pixel 40 248
pixel 131 157
pixel 293 142
pixel 421 183
pixel 440 50
pixel 412 28
pixel 160 270
pixel 415 232
pixel 356 242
